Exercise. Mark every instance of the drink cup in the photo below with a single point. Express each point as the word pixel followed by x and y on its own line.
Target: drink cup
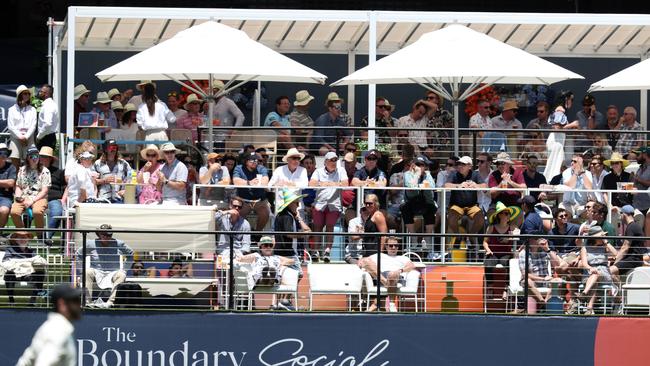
pixel 145 177
pixel 259 179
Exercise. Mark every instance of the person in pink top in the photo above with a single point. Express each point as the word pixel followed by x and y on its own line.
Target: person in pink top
pixel 150 173
pixel 193 118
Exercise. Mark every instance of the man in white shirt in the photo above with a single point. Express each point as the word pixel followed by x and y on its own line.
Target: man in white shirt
pixel 576 177
pixel 391 266
pixel 54 342
pixel 21 123
pixel 416 119
pixel 81 184
pixel 174 176
pixel 48 119
pixel 291 175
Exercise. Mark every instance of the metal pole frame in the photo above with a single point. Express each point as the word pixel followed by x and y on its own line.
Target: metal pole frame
pixel 70 75
pixel 83 269
pixel 372 89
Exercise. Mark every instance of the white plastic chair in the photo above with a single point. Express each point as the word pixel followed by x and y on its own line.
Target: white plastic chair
pixel 408 290
pixel 514 287
pixel 335 279
pixel 636 290
pixel 243 283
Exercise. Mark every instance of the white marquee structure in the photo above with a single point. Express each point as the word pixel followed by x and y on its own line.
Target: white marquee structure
pixel 351 33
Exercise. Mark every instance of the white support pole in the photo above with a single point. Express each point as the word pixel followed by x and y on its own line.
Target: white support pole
pixel 257 116
pixel 372 90
pixel 56 85
pixel 351 88
pixel 70 70
pixel 211 115
pixel 643 105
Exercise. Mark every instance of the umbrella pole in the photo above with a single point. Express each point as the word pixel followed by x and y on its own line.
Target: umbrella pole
pixel 210 115
pixel 456 123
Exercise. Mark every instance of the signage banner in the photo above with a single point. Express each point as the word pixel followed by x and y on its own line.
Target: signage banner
pixel 218 339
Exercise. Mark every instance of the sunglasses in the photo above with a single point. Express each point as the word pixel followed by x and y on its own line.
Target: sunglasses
pixel 333 160
pixel 562 217
pixel 106 234
pixel 372 158
pixel 33 157
pixel 392 245
pixel 451 164
pixel 152 155
pixel 337 106
pixel 294 158
pixel 382 107
pixel 351 150
pixel 595 164
pixel 541 111
pixel 170 152
pixel 574 161
pixel 485 107
pixel 172 94
pixel 482 161
pixel 368 203
pixel 237 207
pixel 432 97
pixel 266 245
pixel 138 267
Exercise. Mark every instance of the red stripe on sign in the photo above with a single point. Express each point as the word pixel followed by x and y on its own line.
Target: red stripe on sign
pixel 622 341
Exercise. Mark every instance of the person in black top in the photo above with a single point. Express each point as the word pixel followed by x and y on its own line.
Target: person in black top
pixel 288 220
pixel 630 255
pixel 54 193
pixel 7 184
pixel 18 249
pixel 615 176
pixel 371 176
pixel 533 178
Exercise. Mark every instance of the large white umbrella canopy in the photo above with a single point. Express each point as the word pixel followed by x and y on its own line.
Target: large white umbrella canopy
pixel 635 77
pixel 214 50
pixel 211 51
pixel 445 60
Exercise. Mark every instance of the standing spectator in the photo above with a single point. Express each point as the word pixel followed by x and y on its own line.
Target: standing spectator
pixel 484 171
pixel 105 254
pixel 250 174
pixel 81 96
pixel 613 124
pixel 507 121
pixel 499 249
pixel 18 251
pixel 407 153
pixel 465 203
pixel 556 140
pixel 137 100
pixel 7 184
pixel 291 175
pixel 598 174
pixel 594 258
pixel 300 119
pixel 371 176
pixel 32 182
pixel 641 200
pixel 327 206
pixel 439 119
pixel 628 141
pixel 630 255
pixel 149 174
pixel 327 139
pixel 533 178
pixel 193 117
pixel 174 107
pixel 354 250
pixel 376 223
pixel 280 120
pixel 416 119
pixel 383 119
pixel 481 120
pixel 228 115
pixel 21 123
pixel 103 108
pixel 232 220
pixel 506 176
pixel 419 201
pixel 532 221
pixel 54 342
pixel 576 177
pixel 48 118
pixel 128 128
pixel 153 115
pixel 111 169
pixel 173 175
pixel 54 193
pixel 81 183
pixel 288 220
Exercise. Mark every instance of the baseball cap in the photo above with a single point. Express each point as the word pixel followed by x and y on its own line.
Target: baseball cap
pixel 330 155
pixel 86 155
pixel 374 153
pixel 251 156
pixel 627 209
pixel 66 292
pixel 595 230
pixel 588 100
pixel 349 157
pixel 265 240
pixel 465 160
pixel 529 200
pixel 32 150
pixel 422 159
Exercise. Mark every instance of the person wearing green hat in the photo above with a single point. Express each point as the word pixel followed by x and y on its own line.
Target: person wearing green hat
pixel 289 220
pixel 498 249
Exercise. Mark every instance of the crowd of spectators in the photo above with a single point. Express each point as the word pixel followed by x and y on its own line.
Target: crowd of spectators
pixel 319 171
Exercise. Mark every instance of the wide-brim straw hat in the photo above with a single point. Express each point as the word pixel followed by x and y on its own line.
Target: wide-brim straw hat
pixel 288 196
pixel 46 151
pixel 514 212
pixel 504 157
pixel 192 98
pixel 146 150
pixel 117 106
pixel 302 98
pixel 334 97
pixel 616 158
pixel 102 98
pixel 80 90
pixel 144 82
pixel 292 152
pixel 168 146
pixel 21 234
pixel 113 92
pixel 510 104
pixel 21 89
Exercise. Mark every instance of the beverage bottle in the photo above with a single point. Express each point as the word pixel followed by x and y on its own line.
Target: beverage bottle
pixel 134 177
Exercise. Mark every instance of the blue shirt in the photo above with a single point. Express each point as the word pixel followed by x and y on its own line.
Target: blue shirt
pixel 106 257
pixel 328 136
pixel 250 193
pixel 532 223
pixel 376 174
pixel 564 245
pixel 275 117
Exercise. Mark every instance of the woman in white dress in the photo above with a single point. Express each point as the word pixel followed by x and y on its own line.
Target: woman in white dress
pixel 556 140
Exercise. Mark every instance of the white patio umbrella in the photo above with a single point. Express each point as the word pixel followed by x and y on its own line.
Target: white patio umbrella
pixel 211 51
pixel 458 56
pixel 635 77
